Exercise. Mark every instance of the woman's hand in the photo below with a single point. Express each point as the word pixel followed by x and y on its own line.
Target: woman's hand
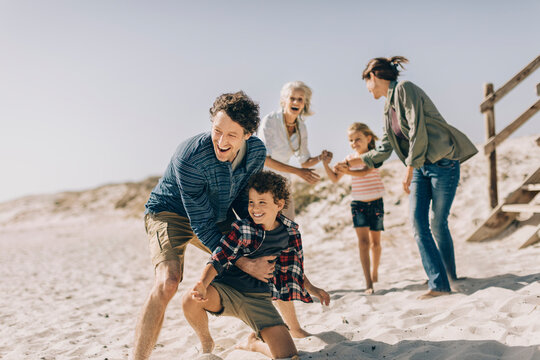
pixel 341 167
pixel 407 180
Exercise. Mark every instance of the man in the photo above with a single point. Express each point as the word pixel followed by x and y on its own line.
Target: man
pixel 192 203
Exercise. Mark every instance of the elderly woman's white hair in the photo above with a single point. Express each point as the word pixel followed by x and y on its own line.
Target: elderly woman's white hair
pixel 289 87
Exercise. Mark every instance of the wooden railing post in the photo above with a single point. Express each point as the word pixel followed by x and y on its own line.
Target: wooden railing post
pixel 489 117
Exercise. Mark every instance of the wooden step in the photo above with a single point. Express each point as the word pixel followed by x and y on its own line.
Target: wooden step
pixel 521 208
pixel 534 238
pixel 499 220
pixel 531 187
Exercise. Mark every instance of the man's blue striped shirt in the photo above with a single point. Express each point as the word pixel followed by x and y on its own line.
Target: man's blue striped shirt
pixel 200 187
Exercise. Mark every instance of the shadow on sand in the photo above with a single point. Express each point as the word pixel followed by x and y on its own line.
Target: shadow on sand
pixel 467 285
pixel 423 350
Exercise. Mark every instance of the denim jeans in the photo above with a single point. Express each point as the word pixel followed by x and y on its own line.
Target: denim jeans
pixel 435 185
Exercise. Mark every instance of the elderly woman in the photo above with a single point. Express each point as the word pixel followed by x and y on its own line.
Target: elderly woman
pixel 285 135
pixel 432 151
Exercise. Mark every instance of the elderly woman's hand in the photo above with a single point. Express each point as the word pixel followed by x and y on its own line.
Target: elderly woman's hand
pixel 309 175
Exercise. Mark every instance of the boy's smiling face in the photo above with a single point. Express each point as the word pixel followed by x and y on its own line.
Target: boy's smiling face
pixel 263 209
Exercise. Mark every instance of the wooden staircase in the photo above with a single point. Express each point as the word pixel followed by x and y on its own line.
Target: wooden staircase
pixel 506 212
pixel 503 214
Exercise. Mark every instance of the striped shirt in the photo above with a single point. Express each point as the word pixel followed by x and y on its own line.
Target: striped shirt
pixel 198 186
pixel 368 187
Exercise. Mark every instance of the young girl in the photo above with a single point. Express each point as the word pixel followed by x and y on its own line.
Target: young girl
pixel 367 205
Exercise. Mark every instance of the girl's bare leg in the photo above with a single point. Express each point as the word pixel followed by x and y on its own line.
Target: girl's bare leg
pixel 363 246
pixel 376 250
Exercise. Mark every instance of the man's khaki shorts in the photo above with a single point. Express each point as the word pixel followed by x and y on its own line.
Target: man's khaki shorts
pixel 254 309
pixel 169 234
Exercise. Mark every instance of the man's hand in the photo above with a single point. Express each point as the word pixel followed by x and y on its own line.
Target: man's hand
pixel 199 292
pixel 261 268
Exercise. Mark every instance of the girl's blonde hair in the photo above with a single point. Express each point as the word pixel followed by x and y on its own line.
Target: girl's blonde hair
pixel 289 87
pixel 364 129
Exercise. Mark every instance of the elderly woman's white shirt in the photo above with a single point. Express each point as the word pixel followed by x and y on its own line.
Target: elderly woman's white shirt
pixel 273 133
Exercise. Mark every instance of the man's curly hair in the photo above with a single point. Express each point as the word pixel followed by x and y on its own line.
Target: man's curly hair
pixel 269 181
pixel 240 108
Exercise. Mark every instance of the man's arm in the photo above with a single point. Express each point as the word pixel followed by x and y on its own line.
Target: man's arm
pixel 193 190
pixel 261 268
pixel 229 253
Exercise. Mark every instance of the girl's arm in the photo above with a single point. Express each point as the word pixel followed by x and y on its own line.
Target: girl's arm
pixel 199 290
pixel 332 175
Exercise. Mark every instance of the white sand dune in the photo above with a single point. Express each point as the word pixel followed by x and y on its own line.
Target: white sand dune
pixel 76 270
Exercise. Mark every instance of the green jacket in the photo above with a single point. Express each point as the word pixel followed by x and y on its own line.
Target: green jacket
pixel 429 136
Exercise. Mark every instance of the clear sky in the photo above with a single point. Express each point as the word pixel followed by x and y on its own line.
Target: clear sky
pixel 96 92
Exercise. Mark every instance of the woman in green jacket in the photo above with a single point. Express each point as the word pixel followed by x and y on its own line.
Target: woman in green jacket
pixel 432 151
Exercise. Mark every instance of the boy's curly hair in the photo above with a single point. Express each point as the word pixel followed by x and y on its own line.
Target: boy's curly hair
pixel 240 108
pixel 269 181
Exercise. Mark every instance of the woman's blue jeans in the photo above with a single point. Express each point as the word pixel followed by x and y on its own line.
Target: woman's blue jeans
pixel 435 185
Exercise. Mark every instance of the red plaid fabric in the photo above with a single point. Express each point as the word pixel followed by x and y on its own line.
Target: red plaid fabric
pixel 244 240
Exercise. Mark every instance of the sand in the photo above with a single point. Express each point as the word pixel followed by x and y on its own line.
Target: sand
pixel 76 270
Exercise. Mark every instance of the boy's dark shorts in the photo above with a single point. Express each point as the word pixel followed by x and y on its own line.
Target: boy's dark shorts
pixel 368 214
pixel 254 309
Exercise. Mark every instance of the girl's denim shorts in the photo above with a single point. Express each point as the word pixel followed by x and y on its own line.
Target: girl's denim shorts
pixel 368 214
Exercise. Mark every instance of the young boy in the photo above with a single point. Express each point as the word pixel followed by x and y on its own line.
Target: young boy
pixel 226 290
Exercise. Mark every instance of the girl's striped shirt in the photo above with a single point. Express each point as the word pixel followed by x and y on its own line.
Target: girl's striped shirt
pixel 367 187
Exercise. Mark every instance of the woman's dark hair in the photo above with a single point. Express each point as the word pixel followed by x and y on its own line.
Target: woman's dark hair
pixel 384 68
pixel 240 108
pixel 268 181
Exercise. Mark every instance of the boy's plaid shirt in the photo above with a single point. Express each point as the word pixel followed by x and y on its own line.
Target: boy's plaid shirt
pixel 244 240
